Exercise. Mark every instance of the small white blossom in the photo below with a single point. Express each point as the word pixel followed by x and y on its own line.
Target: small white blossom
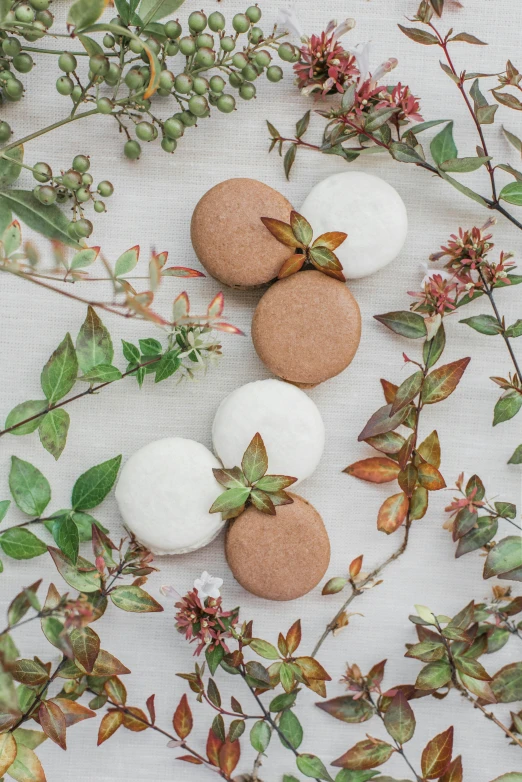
pixel 169 591
pixel 207 586
pixel 288 20
pixel 429 273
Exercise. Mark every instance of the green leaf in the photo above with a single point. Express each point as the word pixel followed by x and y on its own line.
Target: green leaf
pixel 93 344
pixel 53 431
pixel 231 502
pixel 92 486
pixel 4 507
pixel 407 391
pixel 404 154
pixel 312 766
pixel 407 324
pixel 347 709
pixel 84 258
pixel 86 647
pixel 161 9
pixel 512 776
pixel 507 683
pixel 85 12
pixel 427 651
pixel 463 189
pixel 27 766
pixel 485 324
pixel 10 169
pixel 302 125
pixel 504 558
pixel 512 193
pixel 167 365
pixel 472 668
pixel 127 261
pixel 440 383
pixel 49 221
pixel 301 228
pixel 103 373
pixel 515 330
pixel 289 159
pixel 20 543
pixel 23 411
pixel 134 599
pixel 5 7
pixel 506 509
pixel 433 348
pixel 12 238
pixel 378 117
pixel 60 373
pixel 264 649
pixel 65 533
pixel 477 537
pixel 443 146
pixel 346 775
pixel 419 36
pixel 214 657
pixel 507 406
pixel 260 736
pixel 255 460
pixel 150 347
pixel 30 488
pixel 513 140
pixel 130 352
pixel 463 165
pixel 433 676
pixel 399 719
pixel 6 216
pixel 283 701
pixel 291 729
pixel 516 457
pixel 84 577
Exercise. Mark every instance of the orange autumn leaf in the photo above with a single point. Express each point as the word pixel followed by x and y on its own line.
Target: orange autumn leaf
pixel 392 513
pixel 281 231
pixel 436 755
pixel 109 725
pixel 331 239
pixel 229 755
pixel 430 478
pixel 292 265
pixel 355 566
pixel 214 745
pixel 293 638
pixel 52 720
pixel 182 719
pixel 377 469
pixel 136 720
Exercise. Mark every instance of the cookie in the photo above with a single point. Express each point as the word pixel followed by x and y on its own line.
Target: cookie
pixel 229 238
pixel 164 494
pixel 306 328
pixel 369 210
pixel 279 557
pixel 286 418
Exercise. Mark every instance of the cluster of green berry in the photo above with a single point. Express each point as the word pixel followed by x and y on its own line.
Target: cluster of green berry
pixel 13 59
pixel 76 183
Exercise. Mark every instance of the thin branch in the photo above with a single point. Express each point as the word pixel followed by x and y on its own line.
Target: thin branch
pixel 489 293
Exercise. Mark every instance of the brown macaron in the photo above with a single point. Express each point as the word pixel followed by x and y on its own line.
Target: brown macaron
pixel 279 557
pixel 307 328
pixel 229 238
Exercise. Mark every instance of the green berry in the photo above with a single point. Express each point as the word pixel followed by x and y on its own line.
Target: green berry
pixel 134 79
pixel 172 29
pixel 247 91
pixel 188 119
pixel 143 104
pixel 263 58
pixel 132 150
pixel 14 89
pixel 168 144
pixel 235 80
pixel 113 75
pixel 239 60
pixel 216 21
pixel 46 18
pixel 81 163
pixel 146 131
pixel 153 44
pixel 167 80
pixel 40 5
pixel 87 180
pixel 173 128
pixel 187 45
pixel 77 93
pixel 226 103
pixel 217 83
pixel 183 83
pixel 240 23
pixel 172 48
pixel 5 76
pixel 274 73
pixel 83 228
pixel 62 194
pixel 99 207
pixel 205 41
pixel 71 230
pixel 24 13
pixel 36 191
pixel 104 105
pixel 72 180
pixel 23 62
pixel 67 62
pixel 145 72
pixel 197 21
pixel 38 30
pixel 255 35
pixel 99 64
pixel 11 46
pixel 227 44
pixel 198 105
pixel 249 73
pixel 47 195
pixel 5 131
pixel 200 85
pixel 65 85
pixel 42 172
pixel 106 188
pixel 108 41
pixel 205 57
pixel 253 13
pixel 135 46
pixel 83 195
pixel 286 52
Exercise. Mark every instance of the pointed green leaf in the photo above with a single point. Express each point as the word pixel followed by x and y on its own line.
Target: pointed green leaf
pixel 135 599
pixel 443 146
pixel 30 488
pixel 94 344
pixel 53 429
pixel 255 460
pixel 11 169
pixel 60 373
pixel 47 220
pixel 65 533
pixel 20 543
pixel 23 411
pixel 92 487
pixel 507 406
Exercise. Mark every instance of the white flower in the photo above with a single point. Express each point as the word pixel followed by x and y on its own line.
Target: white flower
pixel 361 52
pixel 169 591
pixel 288 20
pixel 207 586
pixel 429 272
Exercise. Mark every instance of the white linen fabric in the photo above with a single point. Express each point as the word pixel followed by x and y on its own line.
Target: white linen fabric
pixel 152 206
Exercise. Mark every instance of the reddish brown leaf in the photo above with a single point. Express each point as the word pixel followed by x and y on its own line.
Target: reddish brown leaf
pixel 108 665
pixel 116 690
pixel 311 669
pixel 377 469
pixel 229 755
pixel 109 725
pixel 440 383
pixel 331 239
pixel 191 759
pixel 53 724
pixel 301 227
pixel 182 719
pixel 292 265
pixel 392 513
pixel 72 711
pixel 135 719
pixel 214 745
pixel 293 637
pixel 281 231
pixel 429 449
pixel 181 271
pixel 355 566
pixel 408 479
pixel 151 708
pixel 365 755
pixel 389 389
pixel 382 422
pixel 390 443
pixel 436 755
pixel 86 647
pixel 376 674
pixel 7 751
pixel 454 772
pixel 430 477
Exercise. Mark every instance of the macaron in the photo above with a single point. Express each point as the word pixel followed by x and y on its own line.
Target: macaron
pixel 369 210
pixel 286 418
pixel 279 557
pixel 164 494
pixel 306 328
pixel 229 238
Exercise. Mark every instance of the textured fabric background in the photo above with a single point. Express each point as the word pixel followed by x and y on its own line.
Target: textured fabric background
pixel 152 206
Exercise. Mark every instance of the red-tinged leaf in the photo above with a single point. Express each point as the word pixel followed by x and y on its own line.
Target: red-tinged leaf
pixel 108 665
pixel 399 719
pixel 408 479
pixel 216 306
pixel 355 566
pixel 72 711
pixel 407 391
pixel 181 271
pixel 440 383
pixel 229 755
pixel 151 708
pixel 471 667
pixel 292 265
pixel 27 766
pixel 182 720
pixel 390 443
pixel 109 725
pixel 180 307
pixel 436 755
pixel 478 687
pixel 255 460
pixel 7 751
pixel 301 228
pixel 454 772
pixel 331 240
pixel 326 262
pixel 228 328
pixel 29 672
pixel 191 759
pixel 389 390
pixel 376 674
pixel 52 720
pixel 116 690
pixel 135 719
pixel 366 754
pixel 468 38
pixel 382 421
pixel 262 501
pixel 376 469
pixel 214 745
pixel 347 709
pixel 86 647
pixel 281 231
pixel 392 513
pixel 311 669
pixel 418 503
pixel 429 477
pixel 429 449
pixel 293 637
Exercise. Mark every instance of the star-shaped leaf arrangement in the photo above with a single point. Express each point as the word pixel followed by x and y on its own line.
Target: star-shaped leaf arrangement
pixel 249 484
pixel 298 235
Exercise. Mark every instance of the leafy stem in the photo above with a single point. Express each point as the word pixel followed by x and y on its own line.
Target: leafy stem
pixel 399 747
pixel 489 293
pixel 27 714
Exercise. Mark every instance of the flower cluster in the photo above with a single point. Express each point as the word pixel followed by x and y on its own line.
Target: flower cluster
pixel 201 618
pixel 325 67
